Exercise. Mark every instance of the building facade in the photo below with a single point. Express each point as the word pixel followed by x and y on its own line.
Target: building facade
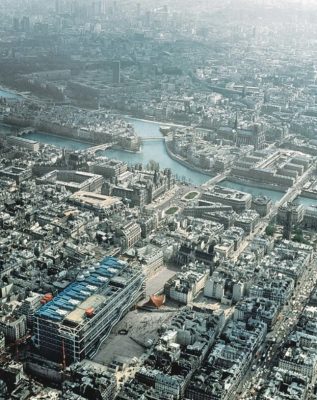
pixel 73 325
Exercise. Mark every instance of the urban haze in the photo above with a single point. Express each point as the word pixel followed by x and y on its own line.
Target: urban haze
pixel 158 200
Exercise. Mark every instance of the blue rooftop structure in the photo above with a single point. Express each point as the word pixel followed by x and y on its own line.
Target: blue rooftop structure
pixel 77 292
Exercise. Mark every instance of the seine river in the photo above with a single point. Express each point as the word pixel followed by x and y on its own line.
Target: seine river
pixel 57 141
pixel 151 150
pixel 307 202
pixel 155 150
pixel 274 195
pixel 7 95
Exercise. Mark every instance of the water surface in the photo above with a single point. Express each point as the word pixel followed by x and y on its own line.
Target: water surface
pixel 155 150
pixel 57 141
pixel 306 201
pixel 255 191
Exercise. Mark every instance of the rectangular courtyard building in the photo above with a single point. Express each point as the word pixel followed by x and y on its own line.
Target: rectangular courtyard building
pixel 72 326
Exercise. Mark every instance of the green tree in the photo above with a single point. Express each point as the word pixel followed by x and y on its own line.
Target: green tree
pixel 270 230
pixel 298 236
pixel 153 165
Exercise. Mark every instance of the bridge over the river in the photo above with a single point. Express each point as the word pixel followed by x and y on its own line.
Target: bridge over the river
pixel 152 138
pixel 93 149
